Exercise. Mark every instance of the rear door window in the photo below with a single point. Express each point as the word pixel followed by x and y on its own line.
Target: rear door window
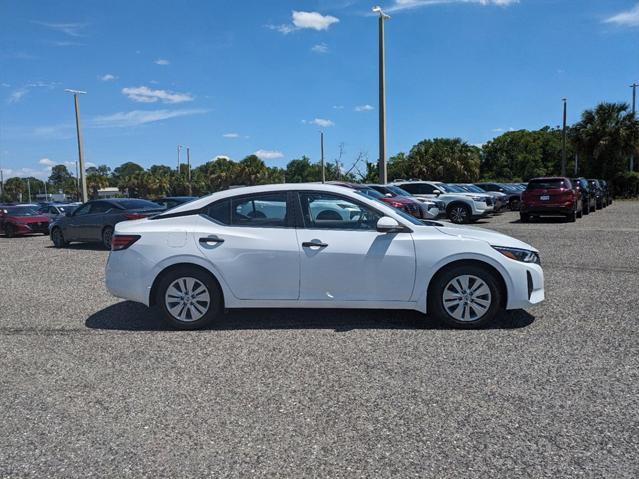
pixel 260 210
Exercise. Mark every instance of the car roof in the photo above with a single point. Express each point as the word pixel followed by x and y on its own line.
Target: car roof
pixel 341 189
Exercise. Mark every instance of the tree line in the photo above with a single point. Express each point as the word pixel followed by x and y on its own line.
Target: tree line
pixel 599 145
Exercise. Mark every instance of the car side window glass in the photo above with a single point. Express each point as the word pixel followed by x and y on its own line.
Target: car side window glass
pixel 83 210
pixel 100 207
pixel 327 211
pixel 261 210
pixel 220 211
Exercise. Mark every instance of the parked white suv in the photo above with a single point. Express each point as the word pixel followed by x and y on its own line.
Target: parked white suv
pixel 461 207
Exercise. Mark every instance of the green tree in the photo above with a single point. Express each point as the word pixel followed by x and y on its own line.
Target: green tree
pixel 59 176
pixel 126 170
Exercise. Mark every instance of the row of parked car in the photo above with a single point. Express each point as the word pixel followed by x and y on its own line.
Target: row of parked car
pixel 461 203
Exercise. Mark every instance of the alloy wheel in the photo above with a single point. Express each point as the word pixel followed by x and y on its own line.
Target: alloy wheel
pixel 458 214
pixel 187 299
pixel 466 298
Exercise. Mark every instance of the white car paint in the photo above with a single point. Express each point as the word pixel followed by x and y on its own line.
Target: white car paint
pixel 269 267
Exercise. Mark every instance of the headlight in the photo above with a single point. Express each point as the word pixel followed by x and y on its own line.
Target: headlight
pixel 478 198
pixel 523 255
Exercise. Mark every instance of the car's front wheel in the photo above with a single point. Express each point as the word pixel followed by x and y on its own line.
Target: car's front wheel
pixel 9 230
pixel 459 214
pixel 465 296
pixel 189 298
pixel 58 238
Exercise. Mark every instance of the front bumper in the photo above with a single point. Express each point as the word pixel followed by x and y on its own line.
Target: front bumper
pixel 527 289
pixel 29 228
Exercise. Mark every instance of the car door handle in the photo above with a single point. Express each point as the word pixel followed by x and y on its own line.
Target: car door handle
pixel 209 240
pixel 311 244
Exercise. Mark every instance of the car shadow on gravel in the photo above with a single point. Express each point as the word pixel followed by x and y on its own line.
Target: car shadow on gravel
pixel 82 247
pixel 544 219
pixel 130 316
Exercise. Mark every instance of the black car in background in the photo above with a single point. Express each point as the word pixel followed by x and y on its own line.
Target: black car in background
pixel 173 201
pixel 595 186
pixel 93 221
pixel 588 200
pixel 514 195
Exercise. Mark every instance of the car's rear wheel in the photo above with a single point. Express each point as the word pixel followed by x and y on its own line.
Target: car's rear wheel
pixel 586 209
pixel 58 238
pixel 524 217
pixel 580 212
pixel 572 217
pixel 465 296
pixel 189 298
pixel 9 230
pixel 459 214
pixel 107 236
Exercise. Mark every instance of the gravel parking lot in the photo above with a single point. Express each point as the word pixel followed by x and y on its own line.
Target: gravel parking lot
pixel 94 386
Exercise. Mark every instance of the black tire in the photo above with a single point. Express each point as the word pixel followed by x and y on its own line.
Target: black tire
pixel 57 238
pixel 585 210
pixel 215 304
pixel 572 217
pixel 514 205
pixel 593 208
pixel 459 213
pixel 441 282
pixel 9 230
pixel 599 205
pixel 524 217
pixel 107 236
pixel 580 213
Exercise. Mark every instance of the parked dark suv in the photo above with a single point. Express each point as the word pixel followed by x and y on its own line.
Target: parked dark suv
pixel 588 201
pixel 93 221
pixel 606 192
pixel 553 196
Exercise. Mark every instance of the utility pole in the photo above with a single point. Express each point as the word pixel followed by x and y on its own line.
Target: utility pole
pixel 179 147
pixel 29 189
pixel 322 156
pixel 634 111
pixel 1 184
pixel 46 196
pixel 188 164
pixel 77 180
pixel 563 140
pixel 83 177
pixel 382 97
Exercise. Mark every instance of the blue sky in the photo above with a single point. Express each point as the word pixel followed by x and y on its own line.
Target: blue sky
pixel 237 77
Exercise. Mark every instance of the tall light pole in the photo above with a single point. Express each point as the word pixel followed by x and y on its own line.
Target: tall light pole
pixel 83 177
pixel 382 97
pixel 188 166
pixel 563 140
pixel 322 156
pixel 179 147
pixel 634 111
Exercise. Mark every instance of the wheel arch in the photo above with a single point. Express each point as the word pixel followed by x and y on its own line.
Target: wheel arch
pixel 502 278
pixel 185 264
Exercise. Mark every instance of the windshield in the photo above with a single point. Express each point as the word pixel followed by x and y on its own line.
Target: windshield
pixel 549 184
pixel 370 192
pixel 473 188
pixel 21 211
pixel 397 190
pixel 451 188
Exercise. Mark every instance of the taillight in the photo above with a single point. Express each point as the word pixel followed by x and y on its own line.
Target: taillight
pixel 134 216
pixel 120 242
pixel 395 204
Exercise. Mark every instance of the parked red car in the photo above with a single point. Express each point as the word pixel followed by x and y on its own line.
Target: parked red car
pixel 21 220
pixel 405 203
pixel 553 196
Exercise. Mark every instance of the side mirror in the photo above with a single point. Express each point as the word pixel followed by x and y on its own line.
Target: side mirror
pixel 388 195
pixel 437 192
pixel 386 224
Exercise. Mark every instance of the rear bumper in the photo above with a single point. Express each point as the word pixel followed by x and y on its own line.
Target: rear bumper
pixel 556 209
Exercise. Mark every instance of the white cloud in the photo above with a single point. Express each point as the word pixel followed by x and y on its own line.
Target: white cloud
pixel 139 117
pixel 324 123
pixel 628 18
pixel 108 77
pixel 338 107
pixel 46 162
pixel 17 95
pixel 162 61
pixel 143 94
pixel 399 5
pixel 313 20
pixel 231 135
pixel 305 20
pixel 320 48
pixel 220 157
pixel 71 29
pixel 364 108
pixel 268 154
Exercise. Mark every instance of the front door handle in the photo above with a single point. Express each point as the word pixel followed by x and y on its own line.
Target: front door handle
pixel 311 244
pixel 210 240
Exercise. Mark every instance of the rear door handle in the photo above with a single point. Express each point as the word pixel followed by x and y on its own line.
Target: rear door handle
pixel 209 240
pixel 311 244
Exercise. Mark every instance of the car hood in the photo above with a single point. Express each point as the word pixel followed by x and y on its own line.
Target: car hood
pixel 493 238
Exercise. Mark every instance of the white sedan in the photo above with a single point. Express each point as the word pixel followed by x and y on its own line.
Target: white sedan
pixel 316 246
